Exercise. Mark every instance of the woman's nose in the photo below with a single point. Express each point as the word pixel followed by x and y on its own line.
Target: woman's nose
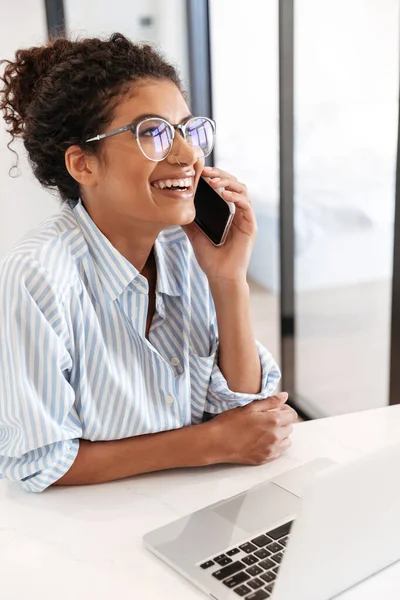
pixel 182 152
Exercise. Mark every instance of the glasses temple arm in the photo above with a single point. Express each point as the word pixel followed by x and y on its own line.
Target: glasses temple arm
pixel 102 136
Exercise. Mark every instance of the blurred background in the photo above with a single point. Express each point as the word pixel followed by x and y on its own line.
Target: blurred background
pixel 325 77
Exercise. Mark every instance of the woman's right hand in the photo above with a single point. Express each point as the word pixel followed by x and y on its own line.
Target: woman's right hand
pixel 254 434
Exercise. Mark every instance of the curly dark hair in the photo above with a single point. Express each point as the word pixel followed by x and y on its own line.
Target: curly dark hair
pixel 66 91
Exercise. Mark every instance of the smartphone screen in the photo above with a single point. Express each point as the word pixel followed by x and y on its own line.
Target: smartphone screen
pixel 212 212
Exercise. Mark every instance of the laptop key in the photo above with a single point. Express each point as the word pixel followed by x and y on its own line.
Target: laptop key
pixel 258 595
pixel 256 583
pixel 262 553
pixel 274 547
pixel 266 564
pixel 261 540
pixel 253 571
pixel 250 559
pixel 269 588
pixel 268 577
pixel 277 557
pixel 276 569
pixel 233 552
pixel 217 558
pixel 207 564
pixel 222 560
pixel 242 590
pixel 283 541
pixel 235 567
pixel 281 531
pixel 237 579
pixel 248 547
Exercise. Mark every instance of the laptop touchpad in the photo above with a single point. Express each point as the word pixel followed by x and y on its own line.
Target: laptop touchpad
pixel 259 508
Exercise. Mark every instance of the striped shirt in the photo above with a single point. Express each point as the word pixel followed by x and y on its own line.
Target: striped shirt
pixel 74 359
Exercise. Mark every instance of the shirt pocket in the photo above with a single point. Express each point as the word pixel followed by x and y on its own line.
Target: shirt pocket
pixel 200 368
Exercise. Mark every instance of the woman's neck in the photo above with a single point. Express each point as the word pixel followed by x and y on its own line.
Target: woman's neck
pixel 134 240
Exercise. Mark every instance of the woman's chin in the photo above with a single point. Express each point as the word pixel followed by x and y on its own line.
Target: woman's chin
pixel 184 217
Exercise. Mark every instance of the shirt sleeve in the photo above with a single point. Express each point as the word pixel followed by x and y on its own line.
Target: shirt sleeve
pixel 39 427
pixel 220 398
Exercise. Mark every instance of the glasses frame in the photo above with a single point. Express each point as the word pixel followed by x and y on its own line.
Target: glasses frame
pixel 134 127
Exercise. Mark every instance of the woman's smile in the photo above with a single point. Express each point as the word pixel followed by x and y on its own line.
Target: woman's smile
pixel 176 186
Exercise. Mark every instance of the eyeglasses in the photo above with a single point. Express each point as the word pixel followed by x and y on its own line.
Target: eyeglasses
pixel 155 136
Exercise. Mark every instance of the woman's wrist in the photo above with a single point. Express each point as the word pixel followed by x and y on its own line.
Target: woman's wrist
pixel 222 287
pixel 214 451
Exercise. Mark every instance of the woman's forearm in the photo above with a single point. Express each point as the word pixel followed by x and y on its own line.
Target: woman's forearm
pixel 238 356
pixel 98 462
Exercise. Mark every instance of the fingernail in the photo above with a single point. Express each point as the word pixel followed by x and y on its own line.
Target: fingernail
pixel 284 395
pixel 215 179
pixel 227 193
pixel 208 168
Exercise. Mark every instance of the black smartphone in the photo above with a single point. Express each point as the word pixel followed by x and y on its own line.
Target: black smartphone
pixel 214 215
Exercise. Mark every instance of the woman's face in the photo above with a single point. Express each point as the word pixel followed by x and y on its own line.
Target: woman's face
pixel 127 181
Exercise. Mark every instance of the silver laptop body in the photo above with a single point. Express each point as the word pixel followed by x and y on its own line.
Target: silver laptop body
pixel 307 534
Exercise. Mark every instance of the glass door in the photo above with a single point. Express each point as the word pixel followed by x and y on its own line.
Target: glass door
pixel 346 118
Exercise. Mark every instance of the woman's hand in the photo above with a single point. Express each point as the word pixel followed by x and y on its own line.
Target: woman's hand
pixel 230 261
pixel 256 433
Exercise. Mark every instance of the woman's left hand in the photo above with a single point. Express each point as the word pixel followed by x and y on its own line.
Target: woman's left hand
pixel 230 261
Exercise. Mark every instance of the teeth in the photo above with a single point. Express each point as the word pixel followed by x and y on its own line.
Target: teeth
pixel 168 183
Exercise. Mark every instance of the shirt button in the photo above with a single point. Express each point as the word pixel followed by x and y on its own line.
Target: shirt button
pixel 175 361
pixel 169 400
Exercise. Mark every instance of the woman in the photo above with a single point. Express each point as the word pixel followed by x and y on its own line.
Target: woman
pixel 121 325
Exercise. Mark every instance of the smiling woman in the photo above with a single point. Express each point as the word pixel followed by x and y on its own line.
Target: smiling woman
pixel 121 325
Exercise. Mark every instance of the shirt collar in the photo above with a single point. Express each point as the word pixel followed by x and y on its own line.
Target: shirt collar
pixel 115 271
pixel 168 280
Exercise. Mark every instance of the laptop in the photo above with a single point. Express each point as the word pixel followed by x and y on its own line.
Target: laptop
pixel 308 534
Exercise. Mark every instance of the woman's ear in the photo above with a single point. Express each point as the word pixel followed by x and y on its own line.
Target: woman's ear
pixel 84 168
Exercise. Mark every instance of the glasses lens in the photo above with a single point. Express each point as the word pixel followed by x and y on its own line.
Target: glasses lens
pixel 200 133
pixel 155 138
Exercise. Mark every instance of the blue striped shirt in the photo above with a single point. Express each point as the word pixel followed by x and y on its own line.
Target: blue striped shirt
pixel 74 359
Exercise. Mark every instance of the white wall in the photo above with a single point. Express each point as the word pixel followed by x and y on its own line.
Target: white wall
pixel 172 34
pixel 23 202
pixel 102 17
pixel 244 46
pixel 167 31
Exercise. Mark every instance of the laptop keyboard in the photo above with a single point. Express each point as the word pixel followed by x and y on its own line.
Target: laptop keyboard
pixel 251 568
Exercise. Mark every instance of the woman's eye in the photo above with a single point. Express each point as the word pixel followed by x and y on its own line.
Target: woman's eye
pixel 151 131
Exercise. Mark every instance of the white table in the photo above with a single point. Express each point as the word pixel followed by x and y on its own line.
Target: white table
pixel 71 543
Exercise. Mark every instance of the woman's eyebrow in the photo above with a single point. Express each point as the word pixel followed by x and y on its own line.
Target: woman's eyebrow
pixel 154 115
